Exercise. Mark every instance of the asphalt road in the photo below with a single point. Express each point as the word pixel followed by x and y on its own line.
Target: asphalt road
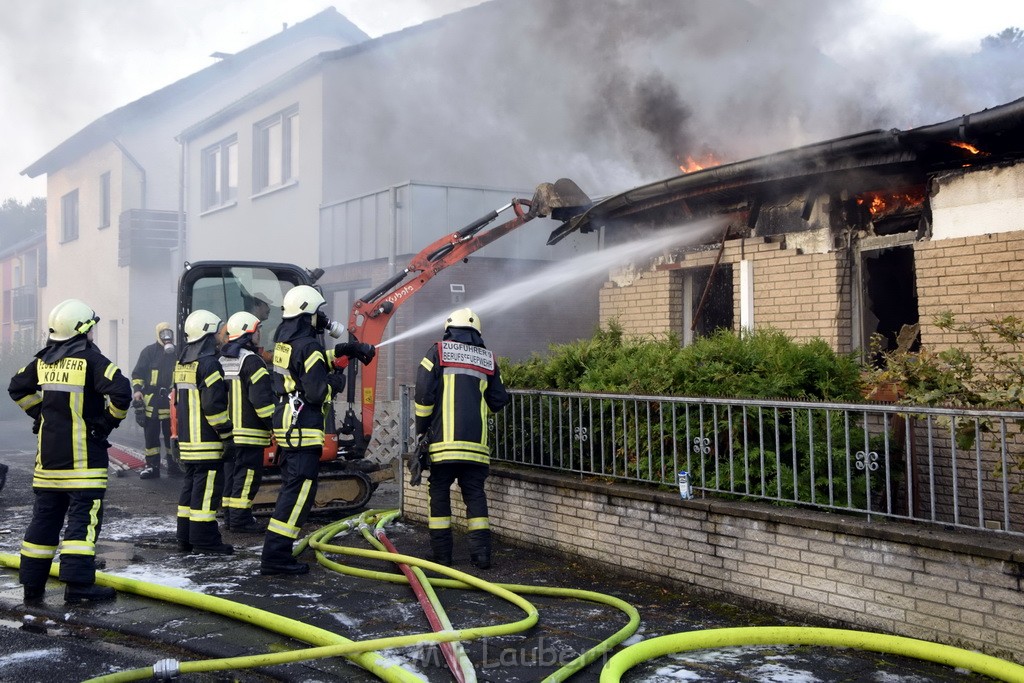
pixel 55 643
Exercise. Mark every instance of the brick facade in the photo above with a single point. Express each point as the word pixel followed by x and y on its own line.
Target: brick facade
pixel 805 295
pixel 975 278
pixel 954 589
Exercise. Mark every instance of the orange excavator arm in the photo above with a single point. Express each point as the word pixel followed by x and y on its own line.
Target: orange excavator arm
pixel 371 313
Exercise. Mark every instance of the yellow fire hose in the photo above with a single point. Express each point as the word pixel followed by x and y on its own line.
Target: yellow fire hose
pixel 362 652
pixel 796 635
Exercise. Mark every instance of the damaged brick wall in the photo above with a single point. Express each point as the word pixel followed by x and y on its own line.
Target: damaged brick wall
pixel 805 295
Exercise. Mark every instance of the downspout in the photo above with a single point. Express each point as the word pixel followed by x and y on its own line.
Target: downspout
pixel 392 269
pixel 182 190
pixel 138 166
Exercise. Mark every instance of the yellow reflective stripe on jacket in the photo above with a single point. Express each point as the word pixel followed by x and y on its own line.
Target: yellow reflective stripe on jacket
pixel 26 402
pixel 428 364
pixel 110 371
pixel 448 408
pixel 423 411
pixel 299 437
pixel 79 433
pixel 460 457
pixel 94 478
pixel 313 359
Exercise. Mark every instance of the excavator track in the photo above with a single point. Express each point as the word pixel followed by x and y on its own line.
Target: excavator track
pixel 344 488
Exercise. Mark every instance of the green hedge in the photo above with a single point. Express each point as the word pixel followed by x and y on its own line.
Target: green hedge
pixel 762 364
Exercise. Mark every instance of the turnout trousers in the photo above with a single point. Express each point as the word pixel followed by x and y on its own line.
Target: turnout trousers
pixel 152 431
pixel 198 502
pixel 300 469
pixel 471 477
pixel 242 477
pixel 84 511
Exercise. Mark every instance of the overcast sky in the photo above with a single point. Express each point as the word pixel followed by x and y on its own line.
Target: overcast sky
pixel 64 63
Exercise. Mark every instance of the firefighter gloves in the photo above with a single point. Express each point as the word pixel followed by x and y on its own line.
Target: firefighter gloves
pixel 362 352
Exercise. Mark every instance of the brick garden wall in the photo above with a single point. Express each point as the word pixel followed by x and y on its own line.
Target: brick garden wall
pixel 963 590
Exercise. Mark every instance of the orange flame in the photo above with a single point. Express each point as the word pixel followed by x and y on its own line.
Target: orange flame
pixel 699 163
pixel 968 146
pixel 885 203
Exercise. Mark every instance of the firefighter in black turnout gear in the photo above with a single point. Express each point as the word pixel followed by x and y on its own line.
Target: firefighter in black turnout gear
pixel 203 433
pixel 151 380
pixel 457 384
pixel 76 397
pixel 251 410
pixel 304 385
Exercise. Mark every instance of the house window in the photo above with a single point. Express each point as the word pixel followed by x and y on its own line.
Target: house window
pixel 69 216
pixel 219 174
pixel 105 200
pixel 707 301
pixel 276 151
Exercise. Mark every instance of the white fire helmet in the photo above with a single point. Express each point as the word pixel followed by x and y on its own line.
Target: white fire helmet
pixel 71 318
pixel 463 317
pixel 301 299
pixel 240 324
pixel 200 323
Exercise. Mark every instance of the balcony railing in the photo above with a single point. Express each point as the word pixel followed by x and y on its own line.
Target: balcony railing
pixel 146 235
pixel 25 304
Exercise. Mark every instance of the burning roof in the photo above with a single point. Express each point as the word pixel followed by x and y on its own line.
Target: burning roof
pixel 860 165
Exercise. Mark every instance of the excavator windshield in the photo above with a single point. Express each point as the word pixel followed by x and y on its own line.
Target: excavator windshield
pixel 225 288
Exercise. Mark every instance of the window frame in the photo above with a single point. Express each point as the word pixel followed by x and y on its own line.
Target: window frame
pixel 276 168
pixel 69 216
pixel 216 173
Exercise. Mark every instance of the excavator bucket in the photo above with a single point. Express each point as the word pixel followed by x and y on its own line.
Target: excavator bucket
pixel 559 200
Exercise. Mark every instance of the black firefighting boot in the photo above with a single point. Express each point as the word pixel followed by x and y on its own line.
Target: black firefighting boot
pixel 242 522
pixel 206 539
pixel 441 546
pixel 480 548
pixel 277 557
pixel 174 470
pixel 152 468
pixel 184 545
pixel 88 592
pixel 34 595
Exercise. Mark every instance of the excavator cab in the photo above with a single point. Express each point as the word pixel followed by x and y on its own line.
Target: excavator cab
pixel 226 287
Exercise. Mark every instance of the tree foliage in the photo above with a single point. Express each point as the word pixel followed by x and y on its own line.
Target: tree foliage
pixel 1011 38
pixel 20 221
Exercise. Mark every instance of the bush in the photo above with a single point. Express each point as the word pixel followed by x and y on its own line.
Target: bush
pixel 782 459
pixel 762 364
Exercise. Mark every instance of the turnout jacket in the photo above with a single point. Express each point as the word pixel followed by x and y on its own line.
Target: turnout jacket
pixel 250 395
pixel 77 396
pixel 457 385
pixel 201 403
pixel 303 385
pixel 153 375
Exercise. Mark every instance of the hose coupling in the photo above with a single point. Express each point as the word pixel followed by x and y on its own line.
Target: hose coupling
pixel 166 670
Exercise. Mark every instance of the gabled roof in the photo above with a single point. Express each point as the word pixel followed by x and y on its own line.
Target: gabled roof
pixel 23 245
pixel 326 23
pixel 861 158
pixel 315 64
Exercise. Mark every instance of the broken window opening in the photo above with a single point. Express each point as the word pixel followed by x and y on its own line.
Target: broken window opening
pixel 889 293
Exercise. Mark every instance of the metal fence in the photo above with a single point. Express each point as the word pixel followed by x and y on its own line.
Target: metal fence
pixel 953 467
